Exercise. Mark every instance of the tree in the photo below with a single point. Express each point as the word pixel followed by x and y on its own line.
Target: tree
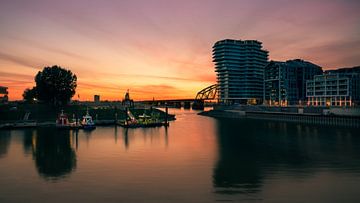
pixel 55 85
pixel 30 95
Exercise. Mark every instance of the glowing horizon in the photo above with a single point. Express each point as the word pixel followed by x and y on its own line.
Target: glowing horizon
pixel 161 49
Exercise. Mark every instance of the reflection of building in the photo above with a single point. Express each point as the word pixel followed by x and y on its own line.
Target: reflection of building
pixel 127 102
pixel 240 68
pixel 3 94
pixel 97 98
pixel 285 82
pixel 250 157
pixel 335 88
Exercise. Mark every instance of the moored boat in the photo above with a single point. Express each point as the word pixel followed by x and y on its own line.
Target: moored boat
pixel 143 121
pixel 62 122
pixel 87 122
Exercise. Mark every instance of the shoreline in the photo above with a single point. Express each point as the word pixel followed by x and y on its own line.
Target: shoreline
pixel 327 119
pixel 46 124
pixel 40 115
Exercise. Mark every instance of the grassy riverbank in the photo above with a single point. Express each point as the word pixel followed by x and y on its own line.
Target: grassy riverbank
pixel 44 112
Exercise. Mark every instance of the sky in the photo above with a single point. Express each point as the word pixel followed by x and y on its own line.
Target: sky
pixel 162 48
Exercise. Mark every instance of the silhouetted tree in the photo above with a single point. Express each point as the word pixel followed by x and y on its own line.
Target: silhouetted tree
pixel 55 85
pixel 30 94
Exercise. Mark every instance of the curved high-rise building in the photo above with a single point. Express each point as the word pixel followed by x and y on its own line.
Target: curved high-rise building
pixel 239 65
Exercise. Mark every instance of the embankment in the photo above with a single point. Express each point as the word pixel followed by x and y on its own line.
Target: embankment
pixel 323 116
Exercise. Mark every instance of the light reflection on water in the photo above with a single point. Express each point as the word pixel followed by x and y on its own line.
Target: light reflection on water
pixel 196 159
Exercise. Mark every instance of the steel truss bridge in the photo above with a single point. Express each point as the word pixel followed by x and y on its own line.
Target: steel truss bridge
pixel 206 94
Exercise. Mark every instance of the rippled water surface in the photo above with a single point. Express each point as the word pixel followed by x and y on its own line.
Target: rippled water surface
pixel 196 159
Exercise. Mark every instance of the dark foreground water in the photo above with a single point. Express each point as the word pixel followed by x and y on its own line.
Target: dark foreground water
pixel 197 159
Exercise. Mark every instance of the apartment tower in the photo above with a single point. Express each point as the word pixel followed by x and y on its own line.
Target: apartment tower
pixel 239 66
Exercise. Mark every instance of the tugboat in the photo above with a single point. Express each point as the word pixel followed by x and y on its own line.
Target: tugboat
pixel 87 122
pixel 62 122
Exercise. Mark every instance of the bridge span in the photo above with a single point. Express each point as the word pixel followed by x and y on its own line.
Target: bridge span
pixel 206 94
pixel 177 103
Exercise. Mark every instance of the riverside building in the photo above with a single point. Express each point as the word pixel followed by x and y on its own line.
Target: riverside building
pixel 285 82
pixel 239 67
pixel 339 87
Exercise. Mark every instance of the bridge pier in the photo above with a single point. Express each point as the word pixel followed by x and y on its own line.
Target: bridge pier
pixel 177 104
pixel 187 105
pixel 198 105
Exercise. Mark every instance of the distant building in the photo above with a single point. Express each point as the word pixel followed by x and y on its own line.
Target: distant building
pixel 97 98
pixel 339 87
pixel 285 82
pixel 239 66
pixel 127 102
pixel 3 94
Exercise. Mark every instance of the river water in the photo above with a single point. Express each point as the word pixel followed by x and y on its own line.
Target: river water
pixel 196 159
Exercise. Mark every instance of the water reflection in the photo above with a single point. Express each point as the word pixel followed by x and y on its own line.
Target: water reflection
pixel 116 134
pixel 252 151
pixel 166 136
pixel 4 143
pixel 53 153
pixel 126 137
pixel 27 140
pixel 196 159
pixel 152 134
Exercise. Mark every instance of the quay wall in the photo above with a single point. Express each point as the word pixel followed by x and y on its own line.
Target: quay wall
pixel 319 119
pixel 341 111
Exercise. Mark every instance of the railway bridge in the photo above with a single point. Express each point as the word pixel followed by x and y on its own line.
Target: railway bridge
pixel 207 94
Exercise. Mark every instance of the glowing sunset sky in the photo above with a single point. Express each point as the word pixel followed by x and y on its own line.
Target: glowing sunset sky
pixel 162 49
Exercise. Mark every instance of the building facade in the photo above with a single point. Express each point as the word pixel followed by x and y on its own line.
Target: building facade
pixel 97 98
pixel 354 81
pixel 239 67
pixel 127 102
pixel 285 82
pixel 340 87
pixel 328 90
